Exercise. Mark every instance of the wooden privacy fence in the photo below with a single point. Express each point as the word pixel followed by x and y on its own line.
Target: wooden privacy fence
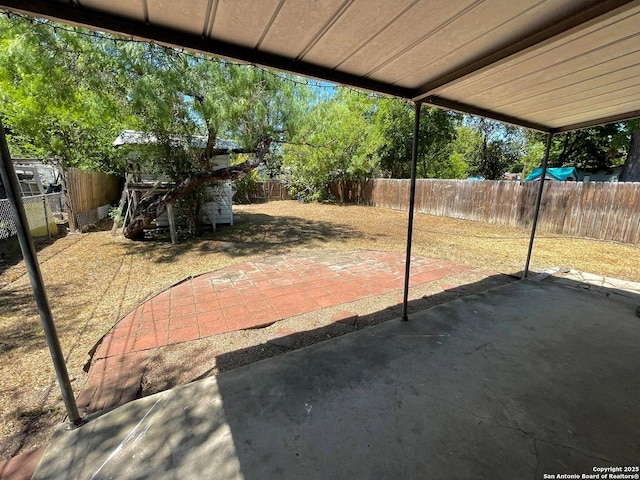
pixel 90 192
pixel 607 211
pixel 269 190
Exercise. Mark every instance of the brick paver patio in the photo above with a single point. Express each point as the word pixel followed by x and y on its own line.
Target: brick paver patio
pixel 248 295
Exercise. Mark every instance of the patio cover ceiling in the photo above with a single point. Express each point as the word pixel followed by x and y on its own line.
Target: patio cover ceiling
pixel 552 66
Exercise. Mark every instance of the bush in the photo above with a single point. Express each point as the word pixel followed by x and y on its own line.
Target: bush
pixel 245 186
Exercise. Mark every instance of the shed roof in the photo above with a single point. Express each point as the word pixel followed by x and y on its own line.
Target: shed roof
pixel 551 65
pixel 133 137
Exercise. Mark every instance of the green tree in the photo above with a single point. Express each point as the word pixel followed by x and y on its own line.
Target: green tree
pixel 337 141
pixel 590 148
pixel 394 119
pixel 60 96
pixel 496 148
pixel 628 140
pixel 596 148
pixel 463 148
pixel 180 95
pixel 532 153
pixel 68 93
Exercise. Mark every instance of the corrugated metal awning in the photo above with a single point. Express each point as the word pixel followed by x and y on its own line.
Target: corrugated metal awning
pixel 549 65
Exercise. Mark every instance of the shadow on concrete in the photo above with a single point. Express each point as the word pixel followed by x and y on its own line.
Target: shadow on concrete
pixel 178 373
pixel 514 382
pixel 525 379
pixel 254 233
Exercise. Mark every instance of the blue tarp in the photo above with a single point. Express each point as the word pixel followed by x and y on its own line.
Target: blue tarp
pixel 562 174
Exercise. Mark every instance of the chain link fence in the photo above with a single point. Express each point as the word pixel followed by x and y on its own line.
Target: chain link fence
pixel 42 212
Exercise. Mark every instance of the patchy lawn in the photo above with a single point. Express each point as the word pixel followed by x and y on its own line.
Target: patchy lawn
pixel 94 279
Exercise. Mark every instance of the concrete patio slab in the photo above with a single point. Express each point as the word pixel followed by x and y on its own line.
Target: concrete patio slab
pixel 526 379
pixel 596 282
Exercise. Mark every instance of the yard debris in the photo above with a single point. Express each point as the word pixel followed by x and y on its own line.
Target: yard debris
pixel 150 209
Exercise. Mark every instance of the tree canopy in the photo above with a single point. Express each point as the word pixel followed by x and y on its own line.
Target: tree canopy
pixel 336 140
pixel 590 148
pixel 70 92
pixel 435 141
pixel 67 93
pixel 353 136
pixel 59 96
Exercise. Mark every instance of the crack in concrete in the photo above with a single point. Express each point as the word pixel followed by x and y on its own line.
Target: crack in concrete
pixel 535 449
pixel 556 444
pixel 470 412
pixel 522 431
pixel 499 400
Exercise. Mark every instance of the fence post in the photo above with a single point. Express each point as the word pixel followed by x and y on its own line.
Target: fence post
pixel 46 216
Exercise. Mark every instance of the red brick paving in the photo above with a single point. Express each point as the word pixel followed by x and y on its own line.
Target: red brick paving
pixel 248 295
pixel 21 467
pixel 113 381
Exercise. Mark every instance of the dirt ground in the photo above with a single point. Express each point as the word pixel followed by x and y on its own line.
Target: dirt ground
pixel 94 279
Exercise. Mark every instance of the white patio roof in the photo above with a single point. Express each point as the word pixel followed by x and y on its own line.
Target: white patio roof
pixel 551 65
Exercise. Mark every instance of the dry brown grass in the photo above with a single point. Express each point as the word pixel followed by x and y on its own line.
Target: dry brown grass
pixel 94 279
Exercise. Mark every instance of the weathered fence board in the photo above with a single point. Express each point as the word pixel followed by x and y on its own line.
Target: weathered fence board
pixel 90 190
pixel 633 233
pixel 87 192
pixel 608 211
pixel 270 190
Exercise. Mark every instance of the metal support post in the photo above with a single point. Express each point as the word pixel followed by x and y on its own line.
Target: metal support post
pixel 543 174
pixel 412 202
pixel 10 182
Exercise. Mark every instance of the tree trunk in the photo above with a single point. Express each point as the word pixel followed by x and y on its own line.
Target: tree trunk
pixel 148 210
pixel 631 169
pixel 565 145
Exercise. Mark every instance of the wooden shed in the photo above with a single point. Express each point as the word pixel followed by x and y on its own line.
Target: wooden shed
pixel 218 210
